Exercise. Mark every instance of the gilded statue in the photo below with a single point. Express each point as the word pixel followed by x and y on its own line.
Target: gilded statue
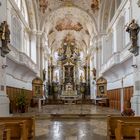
pixel 5 38
pixel 81 78
pixel 44 74
pixel 94 73
pixel 5 32
pixel 133 30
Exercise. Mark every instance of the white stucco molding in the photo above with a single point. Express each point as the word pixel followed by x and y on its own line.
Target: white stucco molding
pixel 22 59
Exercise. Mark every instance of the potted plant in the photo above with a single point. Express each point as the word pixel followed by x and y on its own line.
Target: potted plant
pixel 21 101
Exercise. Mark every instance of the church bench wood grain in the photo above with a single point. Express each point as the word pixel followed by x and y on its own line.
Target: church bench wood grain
pixel 30 124
pixel 2 127
pixel 4 133
pixel 137 133
pixel 7 134
pixel 112 124
pixel 126 130
pixel 18 130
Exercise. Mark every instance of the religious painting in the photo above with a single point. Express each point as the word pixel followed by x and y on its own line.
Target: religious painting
pixel 69 74
pixel 37 87
pixel 101 87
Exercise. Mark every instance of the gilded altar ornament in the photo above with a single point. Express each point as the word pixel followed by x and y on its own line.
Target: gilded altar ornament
pixel 5 38
pixel 81 78
pixel 133 30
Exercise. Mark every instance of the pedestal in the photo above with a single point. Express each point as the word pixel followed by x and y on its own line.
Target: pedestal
pixel 135 104
pixel 135 100
pixel 4 105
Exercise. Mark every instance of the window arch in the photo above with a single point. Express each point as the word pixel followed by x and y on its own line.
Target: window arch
pixel 24 11
pixel 16 32
pixel 23 8
pixel 26 48
pixel 18 2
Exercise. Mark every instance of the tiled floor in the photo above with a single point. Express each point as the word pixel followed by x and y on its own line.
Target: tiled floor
pixel 71 129
pixel 71 109
pixel 79 128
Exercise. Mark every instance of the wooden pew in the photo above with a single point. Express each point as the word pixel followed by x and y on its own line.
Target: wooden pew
pixel 7 134
pixel 112 124
pixel 137 133
pixel 1 130
pixel 4 133
pixel 126 130
pixel 18 130
pixel 30 124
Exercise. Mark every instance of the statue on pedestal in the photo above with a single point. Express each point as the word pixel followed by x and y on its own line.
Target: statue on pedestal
pixel 5 38
pixel 133 29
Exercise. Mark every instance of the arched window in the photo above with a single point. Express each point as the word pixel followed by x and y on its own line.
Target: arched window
pixel 24 10
pixel 19 31
pixel 26 47
pixel 16 32
pixel 18 2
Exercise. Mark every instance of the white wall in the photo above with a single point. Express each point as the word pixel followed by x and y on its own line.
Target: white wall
pixel 17 83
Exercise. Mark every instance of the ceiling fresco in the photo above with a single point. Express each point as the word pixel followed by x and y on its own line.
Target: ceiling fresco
pixel 67 24
pixel 61 18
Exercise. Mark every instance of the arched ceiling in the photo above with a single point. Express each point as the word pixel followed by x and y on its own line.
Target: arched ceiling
pixel 79 18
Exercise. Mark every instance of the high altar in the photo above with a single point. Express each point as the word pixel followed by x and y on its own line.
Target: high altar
pixel 69 71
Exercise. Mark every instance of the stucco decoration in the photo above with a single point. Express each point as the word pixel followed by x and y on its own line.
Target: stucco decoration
pixel 95 5
pixel 43 5
pixel 67 24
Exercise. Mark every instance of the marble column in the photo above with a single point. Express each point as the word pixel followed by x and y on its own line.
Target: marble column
pixel 135 100
pixel 4 100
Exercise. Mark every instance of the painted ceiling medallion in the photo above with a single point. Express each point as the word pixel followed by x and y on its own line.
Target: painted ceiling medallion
pixel 95 5
pixel 43 5
pixel 68 24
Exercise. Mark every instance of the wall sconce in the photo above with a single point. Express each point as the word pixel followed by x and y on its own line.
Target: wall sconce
pixel 134 66
pixel 4 38
pixel 4 66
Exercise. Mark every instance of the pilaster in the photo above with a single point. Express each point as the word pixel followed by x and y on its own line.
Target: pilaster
pixel 4 100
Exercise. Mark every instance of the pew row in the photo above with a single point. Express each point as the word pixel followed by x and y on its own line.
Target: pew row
pixel 4 133
pixel 112 124
pixel 18 130
pixel 126 130
pixel 137 133
pixel 29 124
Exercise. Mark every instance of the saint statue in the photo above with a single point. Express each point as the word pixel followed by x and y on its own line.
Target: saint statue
pixel 44 74
pixel 5 37
pixel 94 73
pixel 5 32
pixel 81 78
pixel 133 29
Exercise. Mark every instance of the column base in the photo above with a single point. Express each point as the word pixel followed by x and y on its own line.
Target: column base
pixel 135 104
pixel 4 105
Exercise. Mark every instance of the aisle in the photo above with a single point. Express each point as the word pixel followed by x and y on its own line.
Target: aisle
pixel 71 129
